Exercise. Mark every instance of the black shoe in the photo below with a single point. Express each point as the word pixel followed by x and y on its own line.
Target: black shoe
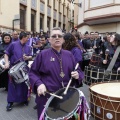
pixel 35 107
pixel 9 106
pixel 26 103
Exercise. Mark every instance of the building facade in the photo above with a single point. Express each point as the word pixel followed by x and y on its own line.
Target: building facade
pixel 35 15
pixel 99 15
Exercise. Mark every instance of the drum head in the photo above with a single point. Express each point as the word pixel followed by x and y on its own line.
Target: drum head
pixel 60 108
pixel 107 89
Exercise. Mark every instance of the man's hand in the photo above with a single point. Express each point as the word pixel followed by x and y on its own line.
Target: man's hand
pixel 6 66
pixel 75 74
pixel 26 57
pixel 41 89
pixel 118 69
pixel 104 61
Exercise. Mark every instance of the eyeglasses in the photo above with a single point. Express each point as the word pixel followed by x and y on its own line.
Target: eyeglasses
pixel 55 36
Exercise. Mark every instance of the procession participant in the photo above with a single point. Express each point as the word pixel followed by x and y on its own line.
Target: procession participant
pixel 52 69
pixel 114 43
pixel 6 40
pixel 72 45
pixel 97 43
pixel 16 52
pixel 44 42
pixel 15 37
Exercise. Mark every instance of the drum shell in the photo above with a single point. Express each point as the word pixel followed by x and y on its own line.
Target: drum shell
pixel 104 107
pixel 19 72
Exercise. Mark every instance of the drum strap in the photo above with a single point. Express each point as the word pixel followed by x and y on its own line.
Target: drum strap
pixel 112 63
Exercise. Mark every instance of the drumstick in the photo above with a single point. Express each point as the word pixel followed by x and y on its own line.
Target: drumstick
pixel 106 54
pixel 60 97
pixel 65 92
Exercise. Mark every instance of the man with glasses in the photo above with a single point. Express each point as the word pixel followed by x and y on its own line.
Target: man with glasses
pixel 52 69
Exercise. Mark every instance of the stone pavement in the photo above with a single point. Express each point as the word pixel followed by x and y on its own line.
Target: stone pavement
pixel 21 112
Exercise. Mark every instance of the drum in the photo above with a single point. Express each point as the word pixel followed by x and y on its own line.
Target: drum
pixel 88 54
pixel 105 101
pixel 95 60
pixel 19 72
pixel 69 107
pixel 95 75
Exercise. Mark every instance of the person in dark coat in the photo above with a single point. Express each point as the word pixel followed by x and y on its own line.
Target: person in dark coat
pixel 6 40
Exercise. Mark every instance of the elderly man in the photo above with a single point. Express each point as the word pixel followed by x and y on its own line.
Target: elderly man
pixel 52 69
pixel 15 37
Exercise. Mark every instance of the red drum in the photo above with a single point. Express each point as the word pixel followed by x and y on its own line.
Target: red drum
pixel 95 75
pixel 95 60
pixel 105 101
pixel 73 106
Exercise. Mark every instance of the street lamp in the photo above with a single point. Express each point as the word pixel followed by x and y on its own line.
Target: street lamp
pixel 78 4
pixel 13 22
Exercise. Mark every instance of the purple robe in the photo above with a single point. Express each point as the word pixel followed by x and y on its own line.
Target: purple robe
pixel 29 42
pixel 15 40
pixel 17 92
pixel 46 70
pixel 77 53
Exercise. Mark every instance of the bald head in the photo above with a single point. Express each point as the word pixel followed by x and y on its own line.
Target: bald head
pixel 15 35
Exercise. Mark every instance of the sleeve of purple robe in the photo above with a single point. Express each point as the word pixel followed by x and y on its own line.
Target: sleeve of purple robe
pixel 77 54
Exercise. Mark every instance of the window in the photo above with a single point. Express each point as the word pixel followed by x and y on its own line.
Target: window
pixel 33 22
pixel 54 23
pixel 22 19
pixel 41 21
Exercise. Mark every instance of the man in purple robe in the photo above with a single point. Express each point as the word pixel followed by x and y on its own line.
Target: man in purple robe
pixel 15 37
pixel 16 52
pixel 52 69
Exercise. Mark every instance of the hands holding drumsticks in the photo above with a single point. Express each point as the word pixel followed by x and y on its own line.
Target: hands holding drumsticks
pixel 41 90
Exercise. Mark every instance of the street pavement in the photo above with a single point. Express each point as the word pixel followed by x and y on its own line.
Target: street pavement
pixel 21 112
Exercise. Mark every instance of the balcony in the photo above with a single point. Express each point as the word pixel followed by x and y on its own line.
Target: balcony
pixel 101 12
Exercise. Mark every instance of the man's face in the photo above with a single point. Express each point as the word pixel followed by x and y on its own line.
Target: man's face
pixel 25 39
pixel 108 38
pixel 15 35
pixel 56 39
pixel 43 41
